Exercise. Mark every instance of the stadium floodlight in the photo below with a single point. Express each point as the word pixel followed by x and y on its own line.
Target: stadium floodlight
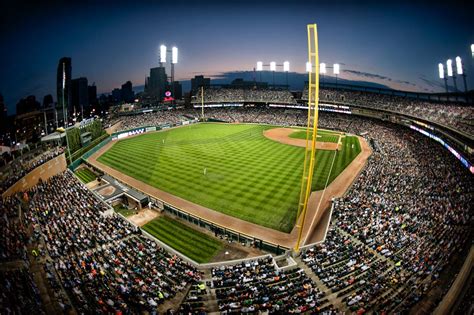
pixel 322 68
pixel 163 53
pixel 449 67
pixel 64 76
pixel 458 65
pixel 441 70
pixel 309 67
pixel 472 49
pixel 286 66
pixel 259 66
pixel 174 55
pixel 273 66
pixel 335 68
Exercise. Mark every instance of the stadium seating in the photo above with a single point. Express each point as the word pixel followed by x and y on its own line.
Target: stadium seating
pixel 456 116
pixel 392 236
pixel 240 95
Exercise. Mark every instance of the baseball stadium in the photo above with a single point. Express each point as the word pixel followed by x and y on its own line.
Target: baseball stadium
pixel 246 198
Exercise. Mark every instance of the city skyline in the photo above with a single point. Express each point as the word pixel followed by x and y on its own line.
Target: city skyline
pixel 397 45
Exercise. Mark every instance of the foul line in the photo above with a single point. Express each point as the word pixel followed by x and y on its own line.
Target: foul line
pixel 321 199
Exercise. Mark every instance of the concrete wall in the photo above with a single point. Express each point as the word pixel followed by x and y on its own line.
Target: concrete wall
pixel 44 171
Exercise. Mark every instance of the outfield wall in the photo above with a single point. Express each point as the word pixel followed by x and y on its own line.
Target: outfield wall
pixel 44 171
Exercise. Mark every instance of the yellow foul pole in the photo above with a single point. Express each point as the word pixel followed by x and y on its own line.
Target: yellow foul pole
pixel 311 131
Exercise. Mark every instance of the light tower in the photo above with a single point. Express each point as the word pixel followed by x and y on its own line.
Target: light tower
pixel 162 55
pixel 273 69
pixel 460 71
pixel 286 68
pixel 260 69
pixel 335 69
pixel 449 67
pixel 273 65
pixel 322 70
pixel 174 60
pixel 65 114
pixel 443 77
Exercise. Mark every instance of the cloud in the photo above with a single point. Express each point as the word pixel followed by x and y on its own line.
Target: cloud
pixel 374 76
pixel 432 83
pixel 367 74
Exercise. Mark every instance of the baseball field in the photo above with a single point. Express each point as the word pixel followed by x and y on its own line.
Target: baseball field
pixel 230 168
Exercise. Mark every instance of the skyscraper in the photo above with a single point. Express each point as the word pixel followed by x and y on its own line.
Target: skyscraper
pixel 157 82
pixel 92 90
pixel 127 92
pixel 177 89
pixel 117 95
pixel 64 65
pixel 47 101
pixel 80 95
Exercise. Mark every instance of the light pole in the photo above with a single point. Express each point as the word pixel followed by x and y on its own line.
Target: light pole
pixel 286 68
pixel 273 69
pixel 449 67
pixel 460 71
pixel 260 69
pixel 443 77
pixel 322 70
pixel 335 69
pixel 65 114
pixel 273 65
pixel 174 60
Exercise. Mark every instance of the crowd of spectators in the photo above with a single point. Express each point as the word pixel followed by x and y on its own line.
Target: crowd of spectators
pixel 242 95
pixel 391 237
pixel 22 165
pixel 18 293
pixel 409 212
pixel 257 286
pixel 13 233
pixel 455 115
pixel 103 262
pixel 168 117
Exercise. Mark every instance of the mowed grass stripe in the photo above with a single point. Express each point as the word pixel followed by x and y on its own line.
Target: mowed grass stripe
pixel 247 175
pixel 194 244
pixel 85 175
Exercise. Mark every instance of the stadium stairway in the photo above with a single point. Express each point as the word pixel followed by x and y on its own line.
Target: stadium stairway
pixel 200 300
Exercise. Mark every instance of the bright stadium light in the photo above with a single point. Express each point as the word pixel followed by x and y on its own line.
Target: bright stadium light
pixel 441 71
pixel 259 66
pixel 286 66
pixel 174 55
pixel 273 66
pixel 322 68
pixel 336 68
pixel 458 65
pixel 163 53
pixel 309 67
pixel 449 66
pixel 472 49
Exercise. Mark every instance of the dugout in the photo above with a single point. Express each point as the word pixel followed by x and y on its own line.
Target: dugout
pixel 112 190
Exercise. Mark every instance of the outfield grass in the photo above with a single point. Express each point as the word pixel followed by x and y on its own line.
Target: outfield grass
pixel 323 136
pixel 196 245
pixel 247 175
pixel 85 175
pixel 124 210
